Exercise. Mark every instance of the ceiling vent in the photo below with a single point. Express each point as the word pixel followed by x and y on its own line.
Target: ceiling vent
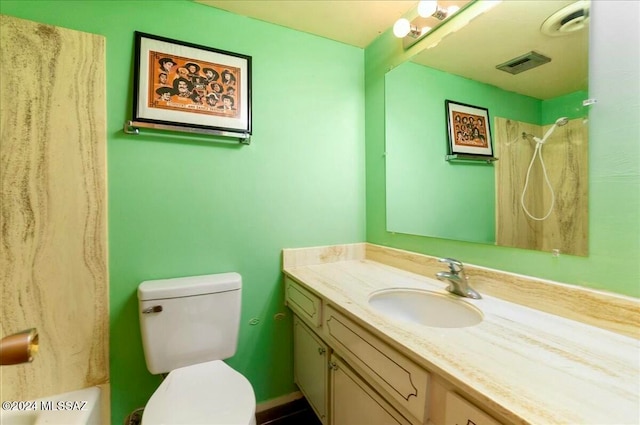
pixel 523 63
pixel 567 20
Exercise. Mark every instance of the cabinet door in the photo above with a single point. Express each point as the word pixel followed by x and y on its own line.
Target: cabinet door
pixel 310 367
pixel 354 402
pixel 461 412
pixel 401 381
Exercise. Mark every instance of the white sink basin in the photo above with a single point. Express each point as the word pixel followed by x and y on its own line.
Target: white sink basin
pixel 80 407
pixel 425 308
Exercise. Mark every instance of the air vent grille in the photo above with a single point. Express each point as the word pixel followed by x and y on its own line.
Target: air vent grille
pixel 524 63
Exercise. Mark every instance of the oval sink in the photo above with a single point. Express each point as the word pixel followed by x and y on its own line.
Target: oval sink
pixel 425 308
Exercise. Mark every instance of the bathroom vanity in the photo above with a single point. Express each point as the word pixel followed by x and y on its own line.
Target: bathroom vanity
pixel 543 352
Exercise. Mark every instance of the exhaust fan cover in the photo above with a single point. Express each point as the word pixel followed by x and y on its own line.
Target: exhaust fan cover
pixel 524 63
pixel 567 20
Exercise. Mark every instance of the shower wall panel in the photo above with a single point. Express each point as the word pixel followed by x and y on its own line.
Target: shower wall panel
pixel 53 253
pixel 565 155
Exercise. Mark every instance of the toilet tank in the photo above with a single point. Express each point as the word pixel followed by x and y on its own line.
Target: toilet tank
pixel 189 320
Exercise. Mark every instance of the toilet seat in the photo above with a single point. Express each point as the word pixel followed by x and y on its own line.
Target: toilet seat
pixel 204 393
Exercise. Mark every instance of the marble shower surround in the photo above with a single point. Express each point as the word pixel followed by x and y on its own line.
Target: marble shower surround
pixel 54 207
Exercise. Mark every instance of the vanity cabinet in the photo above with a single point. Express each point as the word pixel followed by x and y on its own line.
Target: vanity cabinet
pixel 338 394
pixel 310 367
pixel 355 402
pixel 351 376
pixel 393 375
pixel 306 305
pixel 458 411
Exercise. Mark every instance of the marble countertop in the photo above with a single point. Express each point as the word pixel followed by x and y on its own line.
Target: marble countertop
pixel 527 365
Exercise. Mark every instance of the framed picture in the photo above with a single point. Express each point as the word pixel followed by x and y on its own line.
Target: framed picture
pixel 468 129
pixel 188 87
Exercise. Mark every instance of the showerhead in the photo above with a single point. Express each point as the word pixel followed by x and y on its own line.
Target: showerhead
pixel 562 121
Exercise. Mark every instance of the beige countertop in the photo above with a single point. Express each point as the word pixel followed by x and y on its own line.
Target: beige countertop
pixel 527 365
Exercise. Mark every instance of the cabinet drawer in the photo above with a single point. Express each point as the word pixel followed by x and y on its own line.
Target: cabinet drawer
pixel 398 379
pixel 459 411
pixel 354 402
pixel 305 304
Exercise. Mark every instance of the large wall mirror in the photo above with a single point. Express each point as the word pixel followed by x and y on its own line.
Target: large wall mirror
pixel 537 117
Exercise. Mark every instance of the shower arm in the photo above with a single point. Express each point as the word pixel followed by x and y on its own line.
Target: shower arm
pixel 559 122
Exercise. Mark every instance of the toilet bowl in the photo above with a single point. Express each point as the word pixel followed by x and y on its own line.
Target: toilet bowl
pixel 206 393
pixel 188 326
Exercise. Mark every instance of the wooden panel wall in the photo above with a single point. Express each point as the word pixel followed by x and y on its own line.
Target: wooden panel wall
pixel 54 206
pixel 565 155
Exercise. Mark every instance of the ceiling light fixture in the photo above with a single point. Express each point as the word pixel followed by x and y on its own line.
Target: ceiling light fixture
pixel 426 9
pixel 432 14
pixel 403 28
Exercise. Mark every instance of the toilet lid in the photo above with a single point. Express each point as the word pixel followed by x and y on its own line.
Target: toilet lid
pixel 205 393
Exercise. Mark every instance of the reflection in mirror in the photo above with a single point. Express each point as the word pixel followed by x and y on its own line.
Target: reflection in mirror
pixel 483 202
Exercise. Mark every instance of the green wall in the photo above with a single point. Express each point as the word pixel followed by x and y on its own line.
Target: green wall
pixel 569 106
pixel 614 163
pixel 181 205
pixel 427 195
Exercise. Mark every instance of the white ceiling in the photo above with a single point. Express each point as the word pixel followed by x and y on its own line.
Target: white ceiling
pixel 509 30
pixel 354 22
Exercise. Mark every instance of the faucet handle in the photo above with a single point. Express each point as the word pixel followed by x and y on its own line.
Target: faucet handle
pixel 455 266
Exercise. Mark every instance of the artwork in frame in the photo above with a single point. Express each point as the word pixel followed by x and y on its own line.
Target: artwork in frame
pixel 190 87
pixel 468 129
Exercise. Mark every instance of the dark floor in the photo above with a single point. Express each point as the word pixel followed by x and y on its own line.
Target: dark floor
pixel 297 412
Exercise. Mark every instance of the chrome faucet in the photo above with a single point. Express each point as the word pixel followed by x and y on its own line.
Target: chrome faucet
pixel 458 280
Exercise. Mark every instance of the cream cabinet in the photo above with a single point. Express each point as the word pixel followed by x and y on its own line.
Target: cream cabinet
pixel 306 305
pixel 310 367
pixel 459 411
pixel 355 402
pixel 393 375
pixel 351 376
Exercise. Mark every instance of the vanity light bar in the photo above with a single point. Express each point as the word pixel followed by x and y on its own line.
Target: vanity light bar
pixel 454 20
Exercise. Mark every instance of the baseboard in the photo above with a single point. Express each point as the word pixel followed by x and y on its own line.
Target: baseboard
pixel 275 402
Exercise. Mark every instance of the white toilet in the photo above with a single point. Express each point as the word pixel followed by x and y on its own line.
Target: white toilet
pixel 188 326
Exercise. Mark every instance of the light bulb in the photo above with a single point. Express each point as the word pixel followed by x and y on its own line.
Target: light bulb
pixel 401 28
pixel 452 9
pixel 427 8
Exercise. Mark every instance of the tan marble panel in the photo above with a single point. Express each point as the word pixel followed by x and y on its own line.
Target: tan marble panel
pixel 565 155
pixel 613 312
pixel 296 257
pixel 54 206
pixel 513 228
